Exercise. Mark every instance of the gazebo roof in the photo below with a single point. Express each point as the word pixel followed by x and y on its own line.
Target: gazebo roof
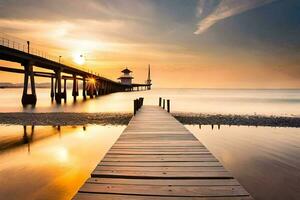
pixel 126 70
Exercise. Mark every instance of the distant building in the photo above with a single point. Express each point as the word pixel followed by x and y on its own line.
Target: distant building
pixel 126 78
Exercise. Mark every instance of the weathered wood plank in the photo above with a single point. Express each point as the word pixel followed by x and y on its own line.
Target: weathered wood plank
pixel 161 164
pixel 160 159
pixel 160 169
pixel 163 174
pixel 170 144
pixel 159 149
pixel 157 153
pixel 93 196
pixel 186 182
pixel 179 191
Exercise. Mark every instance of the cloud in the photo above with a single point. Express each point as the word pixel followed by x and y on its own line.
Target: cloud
pixel 213 11
pixel 76 9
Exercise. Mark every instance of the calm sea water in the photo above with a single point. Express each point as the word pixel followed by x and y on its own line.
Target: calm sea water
pixel 269 102
pixel 266 161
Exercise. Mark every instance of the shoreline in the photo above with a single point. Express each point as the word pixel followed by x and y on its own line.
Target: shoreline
pixel 68 118
pixel 64 118
pixel 234 119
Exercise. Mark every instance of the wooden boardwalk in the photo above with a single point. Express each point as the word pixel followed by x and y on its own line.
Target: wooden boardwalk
pixel 156 157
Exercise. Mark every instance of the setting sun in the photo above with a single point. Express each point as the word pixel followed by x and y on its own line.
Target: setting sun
pixel 78 58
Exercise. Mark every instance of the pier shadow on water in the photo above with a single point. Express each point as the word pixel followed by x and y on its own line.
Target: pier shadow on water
pixel 50 162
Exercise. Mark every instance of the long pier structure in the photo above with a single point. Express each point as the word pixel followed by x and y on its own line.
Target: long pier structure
pixel 157 158
pixel 92 84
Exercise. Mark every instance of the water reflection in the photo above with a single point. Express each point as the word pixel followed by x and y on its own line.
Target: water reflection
pixel 265 160
pixel 28 138
pixel 45 162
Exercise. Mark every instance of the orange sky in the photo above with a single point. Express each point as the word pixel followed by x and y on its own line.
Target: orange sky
pixel 218 56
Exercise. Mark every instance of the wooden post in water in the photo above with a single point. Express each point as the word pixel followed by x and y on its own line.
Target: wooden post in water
pixel 137 104
pixel 159 102
pixel 168 105
pixel 164 104
pixel 141 100
pixel 134 106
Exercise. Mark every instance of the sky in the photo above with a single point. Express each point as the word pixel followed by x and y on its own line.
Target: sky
pixel 189 43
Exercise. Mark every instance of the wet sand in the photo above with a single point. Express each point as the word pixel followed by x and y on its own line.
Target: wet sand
pixel 246 120
pixel 67 118
pixel 64 118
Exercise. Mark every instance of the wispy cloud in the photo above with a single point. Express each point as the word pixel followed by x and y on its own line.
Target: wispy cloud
pixel 212 11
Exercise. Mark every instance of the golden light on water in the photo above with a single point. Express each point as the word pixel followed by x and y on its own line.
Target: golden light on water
pixel 61 154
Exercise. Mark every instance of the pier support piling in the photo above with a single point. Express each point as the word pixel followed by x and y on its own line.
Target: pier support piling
pixel 52 89
pixel 99 88
pixel 84 88
pixel 75 88
pixel 29 99
pixel 65 91
pixel 58 87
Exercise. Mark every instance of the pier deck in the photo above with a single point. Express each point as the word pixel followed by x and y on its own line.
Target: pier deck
pixel 156 157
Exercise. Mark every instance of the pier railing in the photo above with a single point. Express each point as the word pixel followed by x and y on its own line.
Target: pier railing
pixel 37 50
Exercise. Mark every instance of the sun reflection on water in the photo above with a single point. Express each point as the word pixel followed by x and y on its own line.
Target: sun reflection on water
pixel 58 163
pixel 61 154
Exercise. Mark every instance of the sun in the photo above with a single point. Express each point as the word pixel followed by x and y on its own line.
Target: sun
pixel 78 58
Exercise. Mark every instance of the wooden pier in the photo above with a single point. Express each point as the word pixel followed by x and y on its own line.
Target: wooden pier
pixel 92 84
pixel 156 157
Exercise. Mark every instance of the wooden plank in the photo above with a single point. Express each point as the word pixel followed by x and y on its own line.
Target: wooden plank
pixel 158 158
pixel 170 144
pixel 163 174
pixel 93 196
pixel 159 149
pixel 159 169
pixel 179 191
pixel 161 164
pixel 157 153
pixel 183 182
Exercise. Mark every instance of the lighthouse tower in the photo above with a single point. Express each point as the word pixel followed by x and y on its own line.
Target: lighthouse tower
pixel 148 82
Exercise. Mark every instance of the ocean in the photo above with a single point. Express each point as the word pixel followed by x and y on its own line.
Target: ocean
pixel 214 101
